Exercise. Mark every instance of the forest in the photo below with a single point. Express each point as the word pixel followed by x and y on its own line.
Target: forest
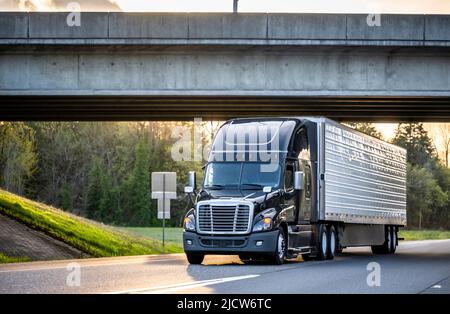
pixel 102 170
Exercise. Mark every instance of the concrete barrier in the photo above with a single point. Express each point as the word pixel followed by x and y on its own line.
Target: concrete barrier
pixel 306 26
pixel 54 25
pixel 148 25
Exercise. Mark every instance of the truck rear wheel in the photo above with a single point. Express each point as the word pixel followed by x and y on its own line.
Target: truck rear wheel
pixel 386 247
pixel 195 258
pixel 323 243
pixel 393 240
pixel 332 242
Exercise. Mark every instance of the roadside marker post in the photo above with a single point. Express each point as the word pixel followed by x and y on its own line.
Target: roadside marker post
pixel 164 188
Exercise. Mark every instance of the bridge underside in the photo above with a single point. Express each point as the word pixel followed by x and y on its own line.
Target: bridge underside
pixel 380 109
pixel 120 66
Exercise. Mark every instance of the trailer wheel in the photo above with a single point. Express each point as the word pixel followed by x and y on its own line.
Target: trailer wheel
pixel 386 247
pixel 280 252
pixel 323 243
pixel 393 240
pixel 195 258
pixel 332 242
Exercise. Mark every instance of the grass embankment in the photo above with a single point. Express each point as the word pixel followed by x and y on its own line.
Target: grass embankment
pixel 8 259
pixel 174 235
pixel 88 236
pixel 411 235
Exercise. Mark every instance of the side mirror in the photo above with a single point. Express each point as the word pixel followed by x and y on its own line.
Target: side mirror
pixel 298 180
pixel 267 189
pixel 192 183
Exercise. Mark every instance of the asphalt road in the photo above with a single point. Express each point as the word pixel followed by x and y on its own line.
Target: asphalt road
pixel 417 267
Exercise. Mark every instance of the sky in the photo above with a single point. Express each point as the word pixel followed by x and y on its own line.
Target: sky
pixel 293 6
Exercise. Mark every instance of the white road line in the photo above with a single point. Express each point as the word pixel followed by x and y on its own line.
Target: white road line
pixel 95 264
pixel 183 286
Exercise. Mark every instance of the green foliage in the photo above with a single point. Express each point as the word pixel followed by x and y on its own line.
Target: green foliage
pixel 95 191
pixel 414 138
pixel 428 181
pixel 66 198
pixel 425 197
pixel 137 199
pixel 424 234
pixel 17 155
pixel 88 236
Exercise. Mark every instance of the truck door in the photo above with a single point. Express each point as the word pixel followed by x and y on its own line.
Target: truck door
pixel 289 199
pixel 301 147
pixel 304 196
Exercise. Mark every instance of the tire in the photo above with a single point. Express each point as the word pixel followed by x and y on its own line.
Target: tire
pixel 332 242
pixel 393 240
pixel 195 258
pixel 279 255
pixel 385 248
pixel 323 243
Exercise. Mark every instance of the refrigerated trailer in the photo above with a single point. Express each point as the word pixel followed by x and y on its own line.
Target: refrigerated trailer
pixel 277 188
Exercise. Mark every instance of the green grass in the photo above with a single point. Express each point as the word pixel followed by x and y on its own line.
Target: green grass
pixel 7 259
pixel 424 234
pixel 172 235
pixel 86 235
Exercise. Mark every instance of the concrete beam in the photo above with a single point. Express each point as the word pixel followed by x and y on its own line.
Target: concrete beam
pixel 227 72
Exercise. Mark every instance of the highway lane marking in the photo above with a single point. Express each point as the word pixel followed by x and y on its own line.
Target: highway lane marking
pixel 183 286
pixel 96 264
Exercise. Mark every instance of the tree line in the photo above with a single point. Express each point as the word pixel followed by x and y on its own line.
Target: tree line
pixel 101 170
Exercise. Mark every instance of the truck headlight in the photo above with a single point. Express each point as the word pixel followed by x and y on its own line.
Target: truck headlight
pixel 263 224
pixel 189 223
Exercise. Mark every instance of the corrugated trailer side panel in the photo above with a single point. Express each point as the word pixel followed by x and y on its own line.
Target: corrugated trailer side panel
pixel 365 178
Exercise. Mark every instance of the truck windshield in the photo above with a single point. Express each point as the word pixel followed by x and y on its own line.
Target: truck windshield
pixel 242 175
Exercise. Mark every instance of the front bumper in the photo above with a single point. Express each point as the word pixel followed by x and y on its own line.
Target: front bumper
pixel 228 244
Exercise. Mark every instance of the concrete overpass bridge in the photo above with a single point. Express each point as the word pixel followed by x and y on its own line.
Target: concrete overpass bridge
pixel 184 65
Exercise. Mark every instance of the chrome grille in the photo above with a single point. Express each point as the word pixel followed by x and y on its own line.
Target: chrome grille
pixel 224 217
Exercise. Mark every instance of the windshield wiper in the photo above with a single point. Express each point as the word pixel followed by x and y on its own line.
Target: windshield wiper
pixel 251 186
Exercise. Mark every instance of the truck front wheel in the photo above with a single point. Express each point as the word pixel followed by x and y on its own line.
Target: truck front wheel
pixel 195 258
pixel 280 251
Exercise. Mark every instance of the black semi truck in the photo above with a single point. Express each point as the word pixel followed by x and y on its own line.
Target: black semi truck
pixel 277 188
